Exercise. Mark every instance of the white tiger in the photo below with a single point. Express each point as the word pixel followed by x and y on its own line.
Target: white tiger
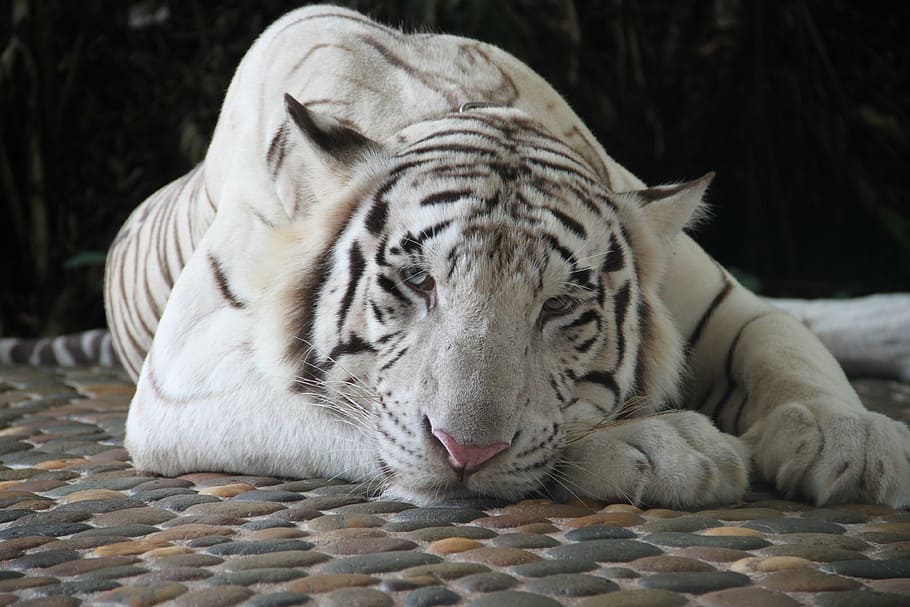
pixel 405 260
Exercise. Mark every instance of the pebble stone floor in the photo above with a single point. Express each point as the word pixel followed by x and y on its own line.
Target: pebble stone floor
pixel 79 524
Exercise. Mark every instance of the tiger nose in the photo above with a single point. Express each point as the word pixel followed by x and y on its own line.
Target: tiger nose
pixel 467 457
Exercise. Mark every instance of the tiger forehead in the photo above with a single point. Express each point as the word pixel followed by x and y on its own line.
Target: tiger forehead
pixel 494 134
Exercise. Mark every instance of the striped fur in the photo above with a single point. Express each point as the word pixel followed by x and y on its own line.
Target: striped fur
pixel 93 347
pixel 368 278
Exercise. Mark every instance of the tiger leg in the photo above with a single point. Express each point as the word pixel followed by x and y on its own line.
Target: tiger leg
pixel 676 459
pixel 759 373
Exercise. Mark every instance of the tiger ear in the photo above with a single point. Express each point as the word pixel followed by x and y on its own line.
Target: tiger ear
pixel 669 209
pixel 316 156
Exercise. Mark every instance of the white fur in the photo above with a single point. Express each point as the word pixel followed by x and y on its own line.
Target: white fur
pixel 214 392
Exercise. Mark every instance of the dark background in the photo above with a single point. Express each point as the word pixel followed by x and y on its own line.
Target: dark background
pixel 800 106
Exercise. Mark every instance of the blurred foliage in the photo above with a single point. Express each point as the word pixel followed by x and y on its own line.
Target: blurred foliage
pixel 800 106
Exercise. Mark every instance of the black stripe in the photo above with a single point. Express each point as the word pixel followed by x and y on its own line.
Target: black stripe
pixel 717 409
pixel 223 285
pixel 491 137
pixel 645 322
pixel 615 260
pixel 411 243
pixel 561 168
pixel 603 379
pixel 706 316
pixel 584 319
pixel 565 253
pixel 356 265
pixel 355 345
pixel 394 359
pixel 449 149
pixel 445 197
pixel 388 285
pixel 582 278
pixel 277 149
pixel 377 216
pixel 620 306
pixel 377 313
pixel 567 222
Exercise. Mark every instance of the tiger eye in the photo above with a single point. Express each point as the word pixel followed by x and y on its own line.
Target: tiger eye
pixel 557 305
pixel 419 280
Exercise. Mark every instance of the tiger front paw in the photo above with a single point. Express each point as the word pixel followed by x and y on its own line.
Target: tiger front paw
pixel 833 456
pixel 677 460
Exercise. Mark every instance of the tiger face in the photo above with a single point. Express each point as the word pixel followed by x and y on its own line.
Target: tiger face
pixel 481 301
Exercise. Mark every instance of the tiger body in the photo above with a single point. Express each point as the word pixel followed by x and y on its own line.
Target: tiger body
pixel 363 281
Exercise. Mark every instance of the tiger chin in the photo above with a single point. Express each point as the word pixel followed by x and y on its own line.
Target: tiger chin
pixel 444 287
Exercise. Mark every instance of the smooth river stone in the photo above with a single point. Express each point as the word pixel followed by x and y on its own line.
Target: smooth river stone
pixel 317 584
pixel 857 598
pixel 604 551
pixel 433 595
pixel 670 564
pixel 844 542
pixel 179 503
pixel 233 508
pixel 278 599
pixel 821 554
pixel 162 483
pixel 380 563
pixel 50 518
pixel 42 560
pixel 795 525
pixel 599 532
pixel 616 519
pixel 806 580
pixel 438 515
pixel 373 507
pixel 741 514
pixel 452 545
pixel 213 597
pixel 485 582
pixel 96 506
pixel 142 516
pixel 432 534
pixel 513 597
pixel 153 495
pixel 344 521
pixel 836 516
pixel 685 524
pixel 268 495
pixel 444 570
pixel 553 567
pixel 682 540
pixel 507 521
pixel 529 541
pixel 874 569
pixel 698 582
pixel 637 598
pixel 142 596
pixel 747 597
pixel 48 530
pixel 368 545
pixel 249 577
pixel 357 597
pixel 248 547
pixel 286 558
pixel 498 557
pixel 570 585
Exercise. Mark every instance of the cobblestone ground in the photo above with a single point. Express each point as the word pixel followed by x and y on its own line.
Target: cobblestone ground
pixel 78 524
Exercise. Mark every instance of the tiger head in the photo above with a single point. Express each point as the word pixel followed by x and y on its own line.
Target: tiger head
pixel 469 293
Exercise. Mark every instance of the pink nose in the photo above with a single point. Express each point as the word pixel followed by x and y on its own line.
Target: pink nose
pixel 467 457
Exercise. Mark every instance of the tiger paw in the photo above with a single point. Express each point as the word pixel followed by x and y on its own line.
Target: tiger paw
pixel 678 460
pixel 833 456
